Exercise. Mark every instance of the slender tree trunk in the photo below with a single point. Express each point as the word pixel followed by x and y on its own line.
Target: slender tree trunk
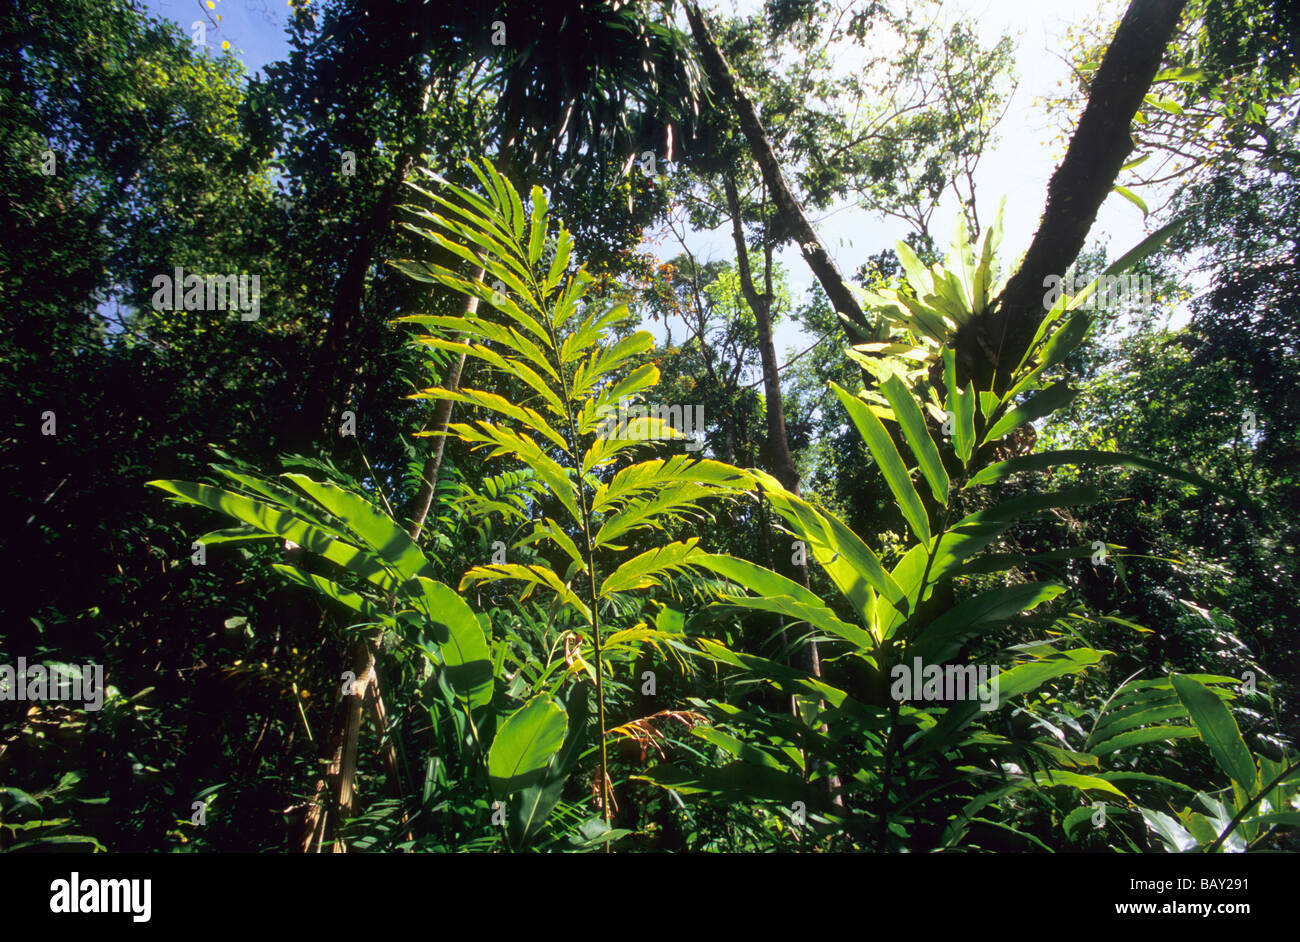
pixel 761 304
pixel 423 500
pixel 783 466
pixel 990 348
pixel 441 420
pixel 819 260
pixel 320 397
pixel 778 441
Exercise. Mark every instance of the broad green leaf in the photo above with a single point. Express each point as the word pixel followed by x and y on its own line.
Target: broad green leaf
pixel 960 407
pixel 233 535
pixel 915 271
pixel 1176 838
pixel 461 641
pixel 1218 731
pixel 1061 343
pixel 524 745
pixel 358 603
pixel 1139 737
pixel 1041 404
pixel 943 637
pixel 375 529
pixel 745 751
pixel 1056 777
pixel 850 563
pixel 891 464
pixel 286 526
pixel 760 581
pixel 535 803
pixel 1092 459
pixel 917 436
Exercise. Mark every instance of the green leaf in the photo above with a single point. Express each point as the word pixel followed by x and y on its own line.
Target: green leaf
pixel 1218 731
pixel 1077 817
pixel 499 404
pixel 891 464
pixel 737 781
pixel 234 535
pixel 323 541
pixel 917 436
pixel 1179 74
pixel 461 642
pixel 375 529
pixel 563 246
pixel 1138 737
pixel 1131 197
pixel 1144 248
pixel 1176 838
pixel 1167 105
pixel 916 272
pixel 1013 682
pixel 850 563
pixel 819 616
pixel 644 571
pixel 1093 459
pixel 961 408
pixel 537 226
pixel 536 802
pixel 1060 777
pixel 944 636
pixel 524 745
pixel 1062 342
pixel 358 603
pixel 1043 403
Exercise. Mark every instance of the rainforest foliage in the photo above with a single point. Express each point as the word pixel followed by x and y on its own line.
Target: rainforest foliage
pixel 496 527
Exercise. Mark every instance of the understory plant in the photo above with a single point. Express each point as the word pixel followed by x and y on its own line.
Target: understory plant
pixel 572 425
pixel 864 762
pixel 593 516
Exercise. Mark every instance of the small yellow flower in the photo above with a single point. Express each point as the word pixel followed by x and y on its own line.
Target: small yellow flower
pixel 225 44
pixel 211 5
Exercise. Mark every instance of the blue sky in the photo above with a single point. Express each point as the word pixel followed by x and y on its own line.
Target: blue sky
pixel 1017 166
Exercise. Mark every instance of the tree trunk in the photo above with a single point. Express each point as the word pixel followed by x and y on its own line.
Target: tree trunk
pixel 441 420
pixel 320 397
pixel 990 348
pixel 761 304
pixel 792 214
pixel 783 466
